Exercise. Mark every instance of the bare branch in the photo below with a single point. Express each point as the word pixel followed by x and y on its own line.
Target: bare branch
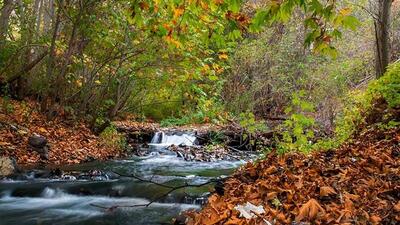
pixel 171 189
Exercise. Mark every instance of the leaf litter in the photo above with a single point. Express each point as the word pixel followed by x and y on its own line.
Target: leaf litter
pixel 70 142
pixel 359 183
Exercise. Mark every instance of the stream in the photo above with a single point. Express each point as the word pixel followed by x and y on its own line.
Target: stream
pixel 77 194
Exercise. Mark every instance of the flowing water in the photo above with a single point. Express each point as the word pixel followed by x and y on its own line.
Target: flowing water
pixel 162 139
pixel 39 197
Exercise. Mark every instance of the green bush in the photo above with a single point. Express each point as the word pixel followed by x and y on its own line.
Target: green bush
pixel 110 138
pixel 297 130
pixel 169 122
pixel 387 87
pixel 7 106
pixel 249 123
pixel 377 101
pixel 362 104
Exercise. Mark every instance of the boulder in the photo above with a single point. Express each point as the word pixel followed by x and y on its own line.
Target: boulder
pixel 39 144
pixel 7 166
pixel 37 141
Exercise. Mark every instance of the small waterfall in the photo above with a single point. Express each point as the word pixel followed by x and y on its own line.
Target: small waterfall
pixel 158 138
pixel 161 138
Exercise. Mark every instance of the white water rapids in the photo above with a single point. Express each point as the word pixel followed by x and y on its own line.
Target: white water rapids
pixel 164 139
pixel 30 199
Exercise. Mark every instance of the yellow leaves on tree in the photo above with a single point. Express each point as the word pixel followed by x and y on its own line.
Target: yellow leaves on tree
pixel 223 56
pixel 345 11
pixel 204 5
pixel 241 19
pixel 78 83
pixel 205 69
pixel 170 40
pixel 144 5
pixel 179 12
pixel 218 2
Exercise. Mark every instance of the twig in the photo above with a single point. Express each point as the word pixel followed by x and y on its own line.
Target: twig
pixel 237 150
pixel 172 189
pixel 143 180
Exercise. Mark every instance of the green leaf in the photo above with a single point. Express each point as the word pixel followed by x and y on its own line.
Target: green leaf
pixel 234 5
pixel 351 22
pixel 259 20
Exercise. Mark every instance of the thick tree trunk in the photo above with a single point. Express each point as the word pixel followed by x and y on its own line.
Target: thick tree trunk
pixel 4 20
pixel 382 37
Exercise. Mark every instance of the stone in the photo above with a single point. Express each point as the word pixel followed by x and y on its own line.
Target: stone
pixel 56 172
pixel 179 220
pixel 111 175
pixel 39 144
pixel 89 159
pixel 7 166
pixel 37 141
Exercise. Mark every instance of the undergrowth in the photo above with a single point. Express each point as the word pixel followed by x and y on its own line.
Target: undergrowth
pixel 112 139
pixel 379 100
pixel 378 105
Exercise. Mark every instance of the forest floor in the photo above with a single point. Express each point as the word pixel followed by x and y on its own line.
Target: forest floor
pixel 69 142
pixel 359 183
pixel 72 142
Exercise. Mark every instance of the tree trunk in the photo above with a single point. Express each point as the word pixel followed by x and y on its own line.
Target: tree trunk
pixel 4 20
pixel 51 62
pixel 38 12
pixel 48 15
pixel 382 37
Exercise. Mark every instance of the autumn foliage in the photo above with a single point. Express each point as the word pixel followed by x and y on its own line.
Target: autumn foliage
pixel 70 142
pixel 357 184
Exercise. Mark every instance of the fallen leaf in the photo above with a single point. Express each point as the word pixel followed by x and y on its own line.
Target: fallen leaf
pixel 397 207
pixel 374 219
pixel 326 191
pixel 248 211
pixel 310 210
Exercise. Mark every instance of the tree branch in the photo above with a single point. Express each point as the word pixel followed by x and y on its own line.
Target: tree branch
pixel 171 189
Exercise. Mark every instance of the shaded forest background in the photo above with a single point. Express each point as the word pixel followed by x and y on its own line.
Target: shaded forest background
pixel 193 62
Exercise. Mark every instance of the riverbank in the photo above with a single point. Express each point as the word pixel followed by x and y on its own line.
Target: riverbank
pixel 68 142
pixel 65 141
pixel 358 183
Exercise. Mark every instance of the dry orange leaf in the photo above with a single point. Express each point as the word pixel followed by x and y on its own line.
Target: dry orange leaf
pixel 233 221
pixel 42 130
pixel 397 207
pixel 272 195
pixel 375 219
pixel 310 210
pixel 326 191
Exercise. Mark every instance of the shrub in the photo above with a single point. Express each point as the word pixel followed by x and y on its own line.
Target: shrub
pixel 169 122
pixel 297 130
pixel 110 138
pixel 7 106
pixel 249 123
pixel 373 106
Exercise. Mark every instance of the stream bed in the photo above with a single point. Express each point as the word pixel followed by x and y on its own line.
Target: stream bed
pixel 79 196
